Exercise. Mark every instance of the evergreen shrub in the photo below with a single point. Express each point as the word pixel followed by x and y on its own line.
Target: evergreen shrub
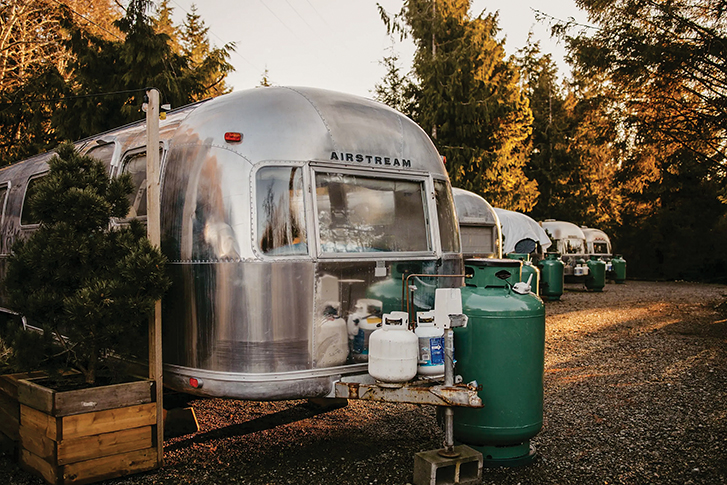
pixel 88 281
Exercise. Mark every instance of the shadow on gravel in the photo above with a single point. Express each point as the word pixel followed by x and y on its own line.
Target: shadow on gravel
pixel 296 413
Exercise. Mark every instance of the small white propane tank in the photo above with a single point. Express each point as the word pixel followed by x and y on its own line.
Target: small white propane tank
pixel 431 346
pixel 365 318
pixel 393 351
pixel 331 338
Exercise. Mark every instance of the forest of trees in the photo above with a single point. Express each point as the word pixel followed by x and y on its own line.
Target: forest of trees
pixel 633 141
pixel 73 68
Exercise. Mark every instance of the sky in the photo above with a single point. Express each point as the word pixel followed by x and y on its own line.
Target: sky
pixel 339 44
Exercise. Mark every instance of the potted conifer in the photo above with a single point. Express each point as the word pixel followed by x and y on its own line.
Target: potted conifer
pixel 91 285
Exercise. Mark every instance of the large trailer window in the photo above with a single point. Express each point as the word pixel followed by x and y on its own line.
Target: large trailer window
pixel 105 153
pixel 572 246
pixel 446 216
pixel 363 214
pixel 136 166
pixel 26 219
pixel 280 211
pixel 600 248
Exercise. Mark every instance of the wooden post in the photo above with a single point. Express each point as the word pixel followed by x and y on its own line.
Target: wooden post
pixel 153 230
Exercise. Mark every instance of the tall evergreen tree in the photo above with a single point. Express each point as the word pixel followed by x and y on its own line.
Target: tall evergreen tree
pixel 145 58
pixel 164 24
pixel 467 96
pixel 265 80
pixel 574 157
pixel 396 89
pixel 194 40
pixel 98 283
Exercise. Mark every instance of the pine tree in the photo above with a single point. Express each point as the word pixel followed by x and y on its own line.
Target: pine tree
pixel 211 64
pixel 145 58
pixel 574 156
pixel 396 90
pixel 467 96
pixel 265 80
pixel 97 284
pixel 195 40
pixel 163 24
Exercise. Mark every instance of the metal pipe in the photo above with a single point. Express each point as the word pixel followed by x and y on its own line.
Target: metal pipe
pixel 448 450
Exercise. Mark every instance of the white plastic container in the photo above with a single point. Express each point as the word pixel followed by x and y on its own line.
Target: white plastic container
pixel 430 346
pixel 393 351
pixel 331 342
pixel 365 318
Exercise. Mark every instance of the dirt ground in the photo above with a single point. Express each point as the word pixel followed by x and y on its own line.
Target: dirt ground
pixel 635 393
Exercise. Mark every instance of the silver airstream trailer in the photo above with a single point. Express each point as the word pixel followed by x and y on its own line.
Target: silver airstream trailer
pixel 521 234
pixel 597 243
pixel 570 243
pixel 478 225
pixel 286 213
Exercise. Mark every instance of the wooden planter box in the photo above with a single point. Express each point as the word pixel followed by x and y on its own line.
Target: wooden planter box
pixel 87 435
pixel 10 411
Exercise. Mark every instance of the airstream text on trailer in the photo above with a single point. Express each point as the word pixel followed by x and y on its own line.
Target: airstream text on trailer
pixel 281 209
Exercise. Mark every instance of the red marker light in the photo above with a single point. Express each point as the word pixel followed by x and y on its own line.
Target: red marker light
pixel 233 137
pixel 196 383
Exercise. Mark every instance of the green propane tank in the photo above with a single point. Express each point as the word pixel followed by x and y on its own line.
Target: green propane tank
pixel 596 279
pixel 551 277
pixel 527 271
pixel 619 269
pixel 502 349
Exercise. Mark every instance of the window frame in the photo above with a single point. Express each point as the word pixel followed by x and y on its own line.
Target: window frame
pixel 121 165
pixel 435 208
pixel 256 236
pixel 31 178
pixel 429 212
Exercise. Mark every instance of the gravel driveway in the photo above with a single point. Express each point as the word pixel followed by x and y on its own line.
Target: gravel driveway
pixel 635 393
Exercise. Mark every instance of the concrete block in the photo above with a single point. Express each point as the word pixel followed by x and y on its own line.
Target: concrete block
pixel 430 468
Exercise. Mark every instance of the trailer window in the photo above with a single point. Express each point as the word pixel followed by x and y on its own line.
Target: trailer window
pixel 362 214
pixel 280 211
pixel 600 248
pixel 448 230
pixel 26 219
pixel 103 153
pixel 478 240
pixel 573 246
pixel 135 165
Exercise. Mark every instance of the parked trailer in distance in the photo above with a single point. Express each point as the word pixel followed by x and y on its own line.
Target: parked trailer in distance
pixel 570 242
pixel 521 234
pixel 479 225
pixel 597 243
pixel 280 209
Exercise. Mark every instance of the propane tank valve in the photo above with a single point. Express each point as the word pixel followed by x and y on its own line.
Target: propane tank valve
pixel 523 288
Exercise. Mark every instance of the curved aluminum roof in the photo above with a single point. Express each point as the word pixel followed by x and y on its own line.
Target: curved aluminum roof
pixel 563 230
pixel 517 227
pixel 473 209
pixel 296 124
